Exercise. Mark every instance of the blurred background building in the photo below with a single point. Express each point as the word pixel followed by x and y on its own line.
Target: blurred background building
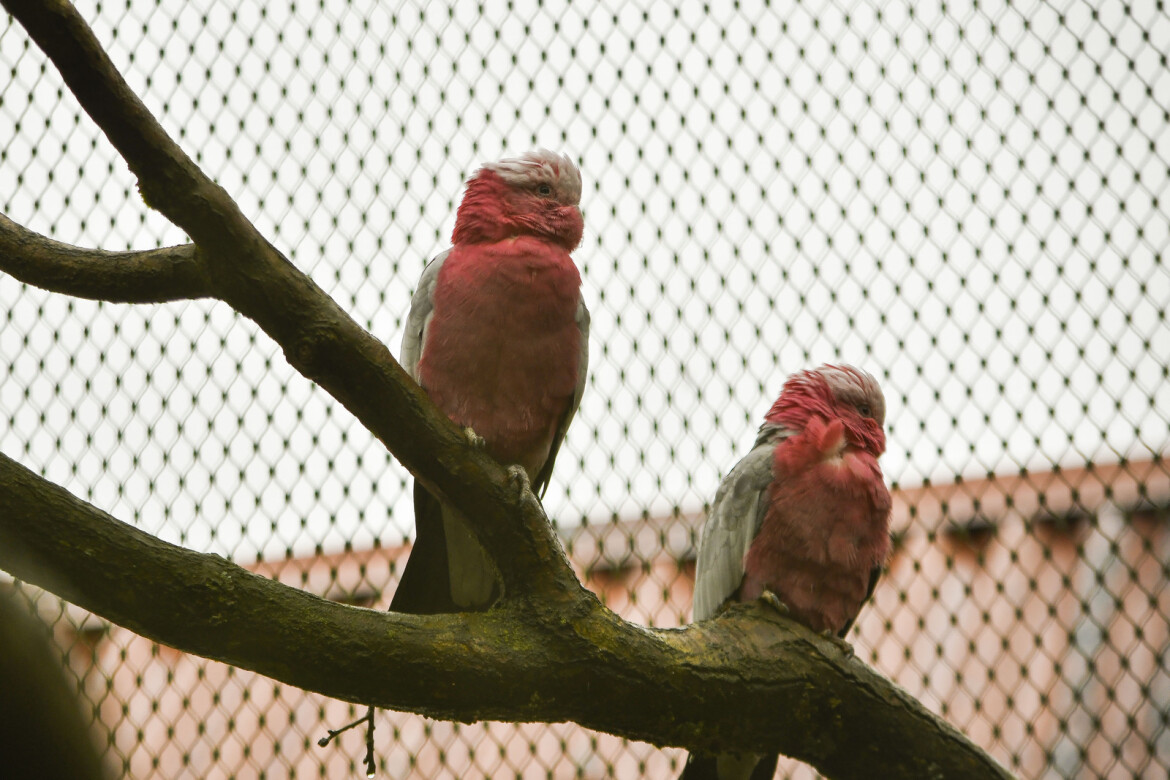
pixel 1031 610
pixel 968 200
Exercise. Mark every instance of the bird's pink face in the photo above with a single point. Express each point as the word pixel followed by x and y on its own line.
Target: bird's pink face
pixel 533 195
pixel 835 392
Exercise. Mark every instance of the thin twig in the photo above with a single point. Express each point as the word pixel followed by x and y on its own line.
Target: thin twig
pixel 368 719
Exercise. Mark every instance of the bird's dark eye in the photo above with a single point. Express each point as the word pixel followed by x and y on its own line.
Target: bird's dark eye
pixel 544 190
pixel 864 409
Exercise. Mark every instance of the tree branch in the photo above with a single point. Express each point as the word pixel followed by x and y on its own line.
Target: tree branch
pixel 318 338
pixel 149 276
pixel 747 681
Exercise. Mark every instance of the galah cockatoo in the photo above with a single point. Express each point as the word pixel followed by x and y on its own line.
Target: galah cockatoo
pixel 498 337
pixel 802 521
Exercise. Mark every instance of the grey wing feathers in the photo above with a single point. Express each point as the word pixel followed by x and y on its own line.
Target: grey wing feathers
pixel 582 356
pixel 422 306
pixel 540 484
pixel 874 575
pixel 732 524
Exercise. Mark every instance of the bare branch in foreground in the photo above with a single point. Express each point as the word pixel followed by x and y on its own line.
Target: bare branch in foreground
pixel 748 681
pixel 148 276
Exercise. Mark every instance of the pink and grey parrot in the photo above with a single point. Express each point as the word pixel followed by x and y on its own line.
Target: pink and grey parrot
pixel 498 337
pixel 802 521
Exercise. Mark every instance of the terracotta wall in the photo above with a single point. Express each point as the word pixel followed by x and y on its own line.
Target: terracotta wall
pixel 1032 611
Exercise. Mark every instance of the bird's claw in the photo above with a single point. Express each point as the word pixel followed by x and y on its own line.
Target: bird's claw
pixel 840 642
pixel 518 478
pixel 772 600
pixel 473 438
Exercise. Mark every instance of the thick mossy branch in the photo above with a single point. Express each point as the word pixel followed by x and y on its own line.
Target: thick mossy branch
pixel 149 276
pixel 748 681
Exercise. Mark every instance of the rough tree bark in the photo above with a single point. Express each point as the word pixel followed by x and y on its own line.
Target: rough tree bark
pixel 549 651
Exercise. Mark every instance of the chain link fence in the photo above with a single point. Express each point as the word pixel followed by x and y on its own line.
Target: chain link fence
pixel 969 200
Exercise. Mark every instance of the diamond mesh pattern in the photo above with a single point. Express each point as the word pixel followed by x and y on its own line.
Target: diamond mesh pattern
pixel 967 199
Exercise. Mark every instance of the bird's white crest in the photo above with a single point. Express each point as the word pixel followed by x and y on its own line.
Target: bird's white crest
pixel 857 386
pixel 540 166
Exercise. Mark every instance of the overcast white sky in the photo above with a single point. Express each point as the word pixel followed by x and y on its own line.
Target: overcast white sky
pixel 971 203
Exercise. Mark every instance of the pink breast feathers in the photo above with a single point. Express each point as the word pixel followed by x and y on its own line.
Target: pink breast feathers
pixel 513 390
pixel 824 531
